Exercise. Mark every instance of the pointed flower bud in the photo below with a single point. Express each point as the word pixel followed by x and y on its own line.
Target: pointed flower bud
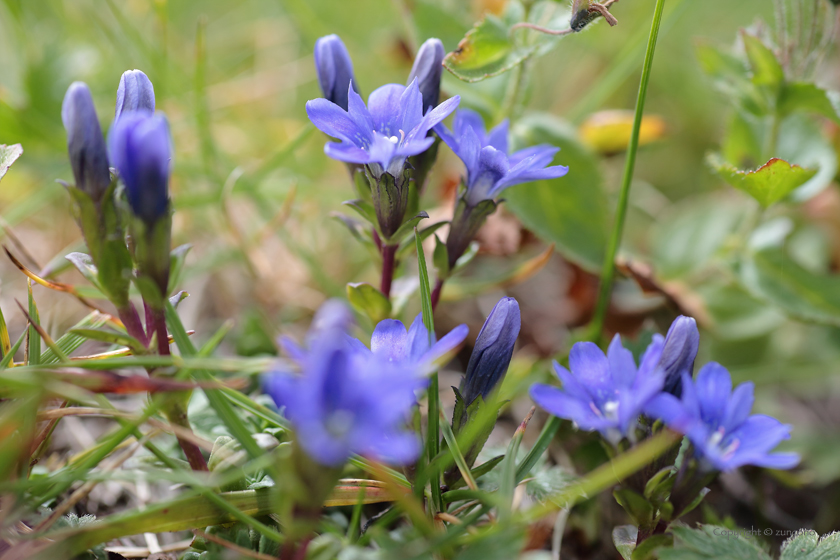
pixel 135 93
pixel 335 69
pixel 85 144
pixel 140 149
pixel 679 353
pixel 493 350
pixel 427 70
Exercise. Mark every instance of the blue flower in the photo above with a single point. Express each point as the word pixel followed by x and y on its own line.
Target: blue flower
pixel 335 69
pixel 412 349
pixel 382 134
pixel 717 421
pixel 135 93
pixel 427 70
pixel 85 144
pixel 604 393
pixel 679 353
pixel 492 351
pixel 489 168
pixel 140 149
pixel 346 401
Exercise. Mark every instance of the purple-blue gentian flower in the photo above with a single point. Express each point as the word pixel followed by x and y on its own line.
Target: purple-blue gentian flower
pixel 135 93
pixel 604 393
pixel 490 170
pixel 412 348
pixel 345 401
pixel 492 351
pixel 382 134
pixel 679 353
pixel 335 69
pixel 140 149
pixel 718 423
pixel 427 70
pixel 85 143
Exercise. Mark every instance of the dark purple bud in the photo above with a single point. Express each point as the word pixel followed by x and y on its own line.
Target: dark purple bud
pixel 679 353
pixel 140 149
pixel 85 144
pixel 335 69
pixel 427 70
pixel 492 352
pixel 135 93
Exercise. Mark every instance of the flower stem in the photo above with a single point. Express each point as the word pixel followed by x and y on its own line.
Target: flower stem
pixel 131 321
pixel 436 293
pixel 389 254
pixel 608 271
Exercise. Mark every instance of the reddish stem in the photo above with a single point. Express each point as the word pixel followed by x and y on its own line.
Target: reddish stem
pixel 131 321
pixel 389 259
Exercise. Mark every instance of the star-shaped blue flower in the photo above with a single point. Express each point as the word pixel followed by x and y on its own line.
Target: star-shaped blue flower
pixel 343 400
pixel 490 170
pixel 718 423
pixel 382 134
pixel 604 393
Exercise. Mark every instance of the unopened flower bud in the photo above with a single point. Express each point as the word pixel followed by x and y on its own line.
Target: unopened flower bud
pixel 335 69
pixel 679 353
pixel 427 70
pixel 135 93
pixel 493 350
pixel 85 144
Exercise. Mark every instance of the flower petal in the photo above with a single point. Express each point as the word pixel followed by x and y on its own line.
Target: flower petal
pixel 622 365
pixel 389 340
pixel 498 137
pixel 384 107
pixel 332 120
pixel 714 386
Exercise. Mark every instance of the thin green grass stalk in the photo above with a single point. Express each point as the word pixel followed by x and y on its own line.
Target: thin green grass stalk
pixel 542 443
pixel 608 271
pixel 452 443
pixel 433 430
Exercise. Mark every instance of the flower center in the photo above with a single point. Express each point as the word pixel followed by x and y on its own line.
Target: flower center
pixel 715 441
pixel 611 410
pixel 339 423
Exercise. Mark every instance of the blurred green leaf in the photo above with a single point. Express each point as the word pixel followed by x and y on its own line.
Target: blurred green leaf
pixel 8 155
pixel 735 314
pixel 368 300
pixel 766 70
pixel 729 74
pixel 772 276
pixel 768 184
pixel 712 543
pixel 624 539
pixel 807 545
pixel 492 47
pixel 807 97
pixel 802 142
pixel 570 211
pixel 636 505
pixel 111 337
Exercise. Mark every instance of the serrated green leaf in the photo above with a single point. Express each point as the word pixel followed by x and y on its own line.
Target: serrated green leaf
pixel 808 98
pixel 774 277
pixel 571 211
pixel 807 545
pixel 368 300
pixel 711 543
pixel 768 184
pixel 8 155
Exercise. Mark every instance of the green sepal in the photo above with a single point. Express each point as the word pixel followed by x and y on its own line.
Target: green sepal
pixel 466 222
pixel 407 228
pixel 420 166
pixel 368 300
pixel 364 209
pixel 440 258
pixel 639 509
pixel 362 183
pixel 152 257
pixel 390 200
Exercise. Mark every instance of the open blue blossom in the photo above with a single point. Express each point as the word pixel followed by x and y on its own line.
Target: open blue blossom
pixel 344 401
pixel 335 69
pixel 679 353
pixel 140 149
pixel 490 170
pixel 604 393
pixel 135 93
pixel 718 423
pixel 382 134
pixel 493 350
pixel 412 348
pixel 85 143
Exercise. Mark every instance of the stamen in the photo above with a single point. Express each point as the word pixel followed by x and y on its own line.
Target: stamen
pixel 394 139
pixel 402 136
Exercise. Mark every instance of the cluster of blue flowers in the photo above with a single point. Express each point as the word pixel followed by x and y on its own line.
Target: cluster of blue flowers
pixel 609 394
pixel 344 398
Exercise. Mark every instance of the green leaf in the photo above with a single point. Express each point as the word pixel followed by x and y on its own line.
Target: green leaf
pixel 8 155
pixel 768 184
pixel 33 351
pixel 363 208
pixel 647 550
pixel 774 277
pixel 111 337
pixel 802 142
pixel 368 300
pixel 711 543
pixel 492 47
pixel 408 227
pixel 730 77
pixel 807 545
pixel 624 539
pixel 440 258
pixel 177 258
pixel 84 264
pixel 571 211
pixel 808 98
pixel 407 245
pixel 766 70
pixel 639 509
